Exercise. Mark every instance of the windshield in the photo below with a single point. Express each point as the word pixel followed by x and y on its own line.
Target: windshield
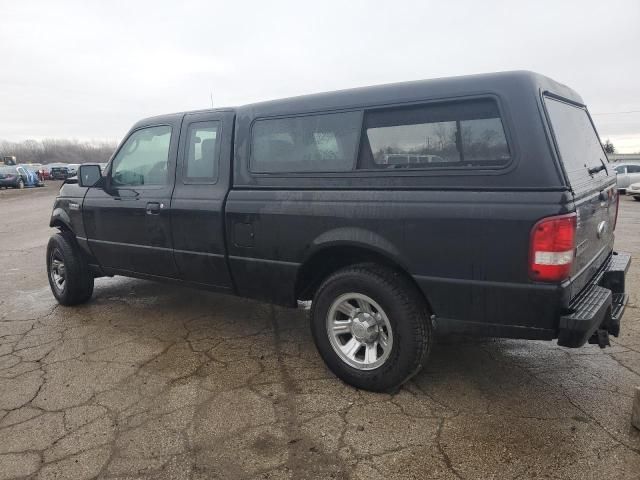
pixel 578 143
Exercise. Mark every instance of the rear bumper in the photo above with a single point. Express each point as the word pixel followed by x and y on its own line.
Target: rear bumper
pixel 599 306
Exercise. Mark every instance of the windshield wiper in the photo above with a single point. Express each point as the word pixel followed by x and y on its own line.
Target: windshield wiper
pixel 599 168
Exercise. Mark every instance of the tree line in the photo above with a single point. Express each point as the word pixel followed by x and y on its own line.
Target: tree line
pixel 54 150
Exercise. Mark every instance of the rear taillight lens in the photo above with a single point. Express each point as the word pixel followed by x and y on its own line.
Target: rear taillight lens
pixel 553 244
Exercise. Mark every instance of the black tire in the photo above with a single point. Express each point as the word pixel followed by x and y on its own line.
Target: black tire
pixel 405 309
pixel 78 280
pixel 637 199
pixel 20 184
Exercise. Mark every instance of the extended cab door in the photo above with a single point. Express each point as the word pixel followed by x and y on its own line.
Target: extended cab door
pixel 197 205
pixel 127 221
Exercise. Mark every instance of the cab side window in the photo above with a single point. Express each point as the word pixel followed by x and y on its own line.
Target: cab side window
pixel 622 169
pixel 201 163
pixel 633 169
pixel 143 159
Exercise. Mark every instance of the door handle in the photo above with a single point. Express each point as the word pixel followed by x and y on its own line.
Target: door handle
pixel 153 208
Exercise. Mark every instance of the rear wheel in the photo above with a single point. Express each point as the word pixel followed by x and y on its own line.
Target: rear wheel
pixel 637 199
pixel 70 280
pixel 371 326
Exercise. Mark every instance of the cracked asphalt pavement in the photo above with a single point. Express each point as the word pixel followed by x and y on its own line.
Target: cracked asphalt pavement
pixel 156 381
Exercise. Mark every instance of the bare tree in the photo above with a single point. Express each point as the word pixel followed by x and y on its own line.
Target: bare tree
pixel 608 147
pixel 51 150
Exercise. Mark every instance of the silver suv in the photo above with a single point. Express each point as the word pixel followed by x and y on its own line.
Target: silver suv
pixel 628 173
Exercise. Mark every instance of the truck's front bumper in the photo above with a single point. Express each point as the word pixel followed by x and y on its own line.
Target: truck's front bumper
pixel 596 311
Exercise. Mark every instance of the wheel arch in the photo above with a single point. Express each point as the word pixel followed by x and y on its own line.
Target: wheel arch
pixel 60 219
pixel 334 252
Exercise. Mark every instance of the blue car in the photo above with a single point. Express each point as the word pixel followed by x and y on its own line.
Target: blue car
pixel 17 176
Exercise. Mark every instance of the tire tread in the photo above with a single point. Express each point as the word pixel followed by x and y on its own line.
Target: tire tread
pixel 80 280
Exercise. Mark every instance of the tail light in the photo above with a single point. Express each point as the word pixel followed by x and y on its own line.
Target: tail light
pixel 552 248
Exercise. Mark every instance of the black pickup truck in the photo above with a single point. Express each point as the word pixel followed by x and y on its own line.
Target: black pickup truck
pixel 481 204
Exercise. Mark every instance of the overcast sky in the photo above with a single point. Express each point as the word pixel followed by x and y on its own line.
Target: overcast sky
pixel 90 69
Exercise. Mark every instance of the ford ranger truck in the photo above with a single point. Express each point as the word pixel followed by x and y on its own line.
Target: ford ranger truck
pixel 481 205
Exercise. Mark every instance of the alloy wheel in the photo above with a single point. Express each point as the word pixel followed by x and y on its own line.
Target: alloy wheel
pixel 359 331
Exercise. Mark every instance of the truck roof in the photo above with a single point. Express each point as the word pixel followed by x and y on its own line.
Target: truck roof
pixel 447 87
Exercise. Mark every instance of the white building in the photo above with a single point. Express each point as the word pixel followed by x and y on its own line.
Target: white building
pixel 624 157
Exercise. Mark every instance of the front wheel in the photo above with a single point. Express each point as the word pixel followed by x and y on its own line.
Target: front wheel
pixel 637 198
pixel 371 326
pixel 70 279
pixel 20 184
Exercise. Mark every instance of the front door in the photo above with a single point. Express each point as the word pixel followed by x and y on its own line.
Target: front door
pixel 128 221
pixel 202 182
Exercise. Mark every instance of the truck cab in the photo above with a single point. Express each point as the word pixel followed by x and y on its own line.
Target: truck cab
pixel 160 213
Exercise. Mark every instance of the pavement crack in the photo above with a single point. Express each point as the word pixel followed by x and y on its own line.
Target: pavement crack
pixel 443 453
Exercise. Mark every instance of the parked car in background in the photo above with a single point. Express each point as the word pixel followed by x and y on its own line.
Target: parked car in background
pixel 61 172
pixel 37 171
pixel 627 174
pixel 35 168
pixel 45 171
pixel 634 191
pixel 51 166
pixel 73 169
pixel 17 176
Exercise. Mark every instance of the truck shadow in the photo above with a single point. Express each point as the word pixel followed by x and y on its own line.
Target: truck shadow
pixel 465 374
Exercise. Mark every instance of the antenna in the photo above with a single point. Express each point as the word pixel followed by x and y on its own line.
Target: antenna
pixel 211 96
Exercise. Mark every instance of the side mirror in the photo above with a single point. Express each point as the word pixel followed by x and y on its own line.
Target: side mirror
pixel 89 175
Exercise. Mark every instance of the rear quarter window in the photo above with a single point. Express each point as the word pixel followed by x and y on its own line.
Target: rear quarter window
pixel 463 134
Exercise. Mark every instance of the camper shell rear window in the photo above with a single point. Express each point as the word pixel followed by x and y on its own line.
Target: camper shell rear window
pixel 578 143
